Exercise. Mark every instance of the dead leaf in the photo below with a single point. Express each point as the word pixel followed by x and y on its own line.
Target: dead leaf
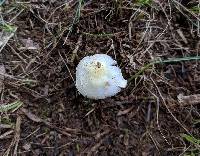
pixel 123 112
pixel 29 44
pixel 31 116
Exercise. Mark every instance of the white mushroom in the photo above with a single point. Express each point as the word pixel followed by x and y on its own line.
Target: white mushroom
pixel 97 77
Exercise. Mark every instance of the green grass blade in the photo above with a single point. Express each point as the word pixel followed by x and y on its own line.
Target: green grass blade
pixel 7 27
pixel 191 139
pixel 197 121
pixel 76 18
pixel 11 107
pixel 140 72
pixel 144 2
pixel 195 9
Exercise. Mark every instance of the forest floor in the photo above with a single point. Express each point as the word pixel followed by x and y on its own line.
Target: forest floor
pixel 41 43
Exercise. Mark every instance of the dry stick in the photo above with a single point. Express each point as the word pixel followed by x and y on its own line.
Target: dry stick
pixel 17 134
pixel 17 54
pixel 15 140
pixel 154 141
pixel 157 113
pixel 4 135
pixel 157 102
pixel 66 66
pixel 164 102
pixel 190 12
pixel 32 133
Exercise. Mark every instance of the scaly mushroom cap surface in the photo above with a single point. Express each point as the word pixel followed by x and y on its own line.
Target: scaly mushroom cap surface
pixel 98 77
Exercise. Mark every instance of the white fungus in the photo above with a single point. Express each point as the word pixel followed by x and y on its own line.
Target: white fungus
pixel 98 77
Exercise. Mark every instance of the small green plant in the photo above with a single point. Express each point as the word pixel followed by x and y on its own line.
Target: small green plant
pixel 144 2
pixel 6 120
pixel 192 153
pixel 7 27
pixel 11 107
pixel 191 139
pixel 78 147
pixel 195 9
pixel 194 141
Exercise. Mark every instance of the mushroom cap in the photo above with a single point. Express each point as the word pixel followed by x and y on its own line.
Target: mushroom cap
pixel 98 77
